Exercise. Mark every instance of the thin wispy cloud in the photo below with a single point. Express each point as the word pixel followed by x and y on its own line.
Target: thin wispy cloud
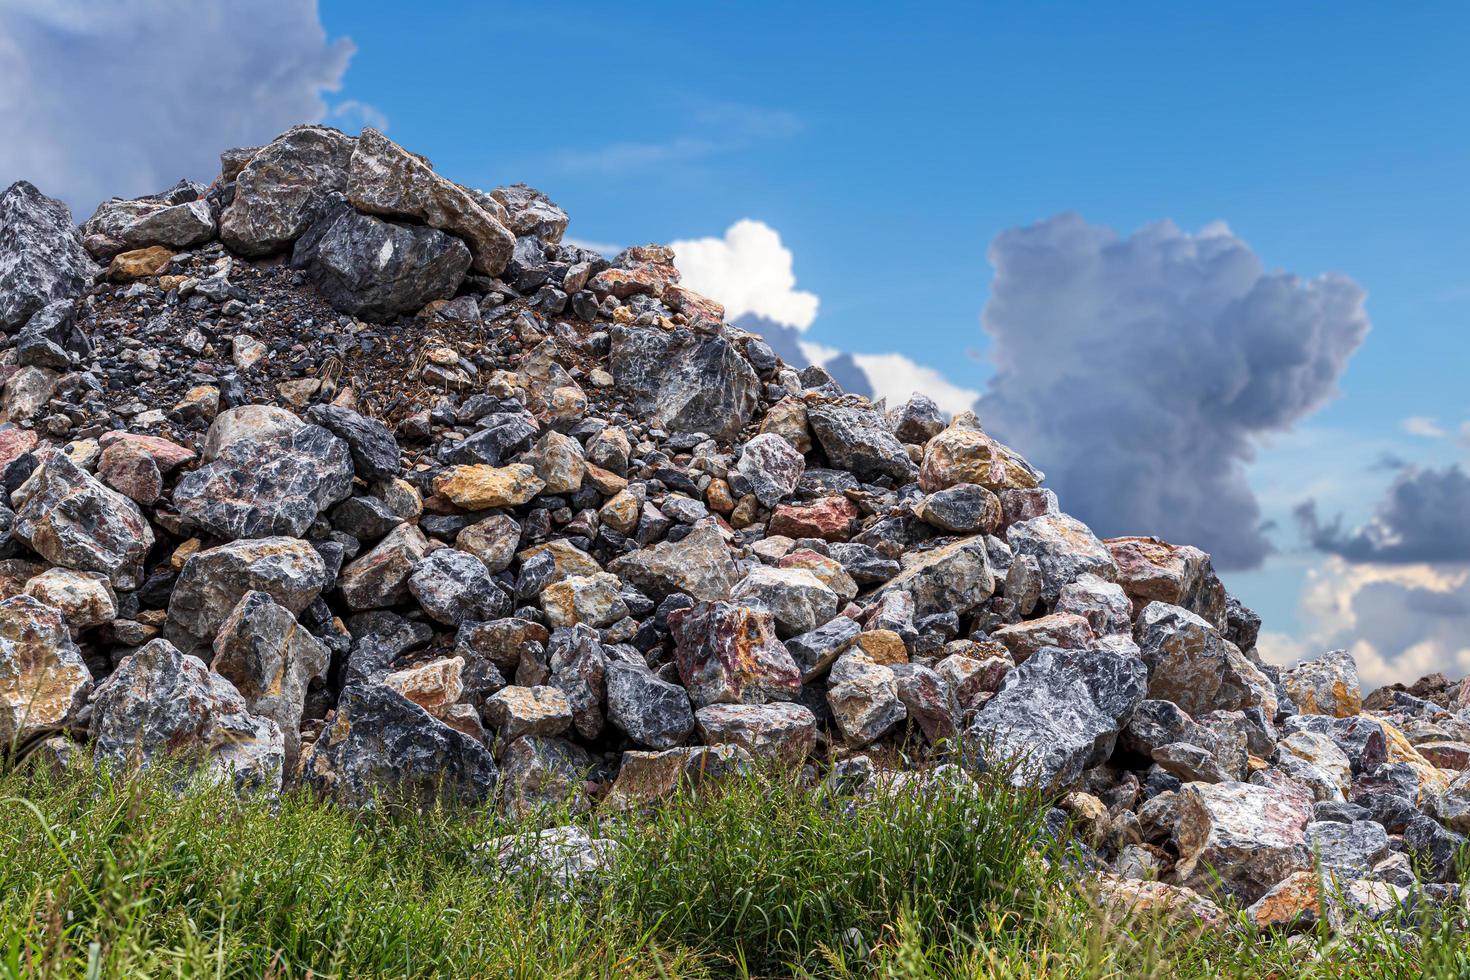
pixel 709 129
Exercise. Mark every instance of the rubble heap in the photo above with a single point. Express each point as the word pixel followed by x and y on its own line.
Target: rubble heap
pixel 336 472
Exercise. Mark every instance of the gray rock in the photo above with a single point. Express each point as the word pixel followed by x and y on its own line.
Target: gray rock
pixel 579 668
pixel 652 711
pixel 856 439
pixel 374 268
pixel 281 188
pixel 69 518
pixel 380 577
pixel 257 488
pixel 771 468
pixel 378 639
pixel 541 775
pixel 699 565
pixel 564 858
pixel 784 730
pixel 1103 604
pixel 454 587
pixel 385 179
pixel 953 577
pixel 41 256
pixel 1191 664
pixel 798 600
pixel 1057 714
pixel 864 698
pixel 374 450
pixel 160 703
pixel 1241 838
pixel 965 508
pixel 929 701
pixel 683 381
pixel 530 212
pixel 1064 548
pixel 916 421
pixel 1347 850
pixel 272 661
pixel 382 746
pixel 729 654
pixel 214 580
pixel 815 651
pixel 43 679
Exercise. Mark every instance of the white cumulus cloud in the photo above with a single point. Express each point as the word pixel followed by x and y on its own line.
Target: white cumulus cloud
pixel 1423 425
pixel 123 98
pixel 896 377
pixel 748 270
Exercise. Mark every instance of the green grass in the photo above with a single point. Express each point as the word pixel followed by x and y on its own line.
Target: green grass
pixel 130 879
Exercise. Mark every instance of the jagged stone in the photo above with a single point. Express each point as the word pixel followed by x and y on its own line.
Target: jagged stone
pixel 1151 570
pixel 453 587
pixel 256 488
pixel 214 580
pixel 1241 839
pixel 41 255
pixel 381 746
pixel 1191 664
pixel 280 189
pixel 379 578
pixel 160 703
pixel 728 653
pixel 799 601
pixel 1064 549
pixel 85 599
pixel 966 455
pixel 698 565
pixel 69 518
pixel 771 468
pixel 1057 714
pixel 374 450
pixel 272 661
pixel 953 577
pixel 592 599
pixel 780 730
pixel 652 711
pixel 515 711
pixel 541 775
pixel 683 381
pixel 385 179
pixel 43 679
pixel 1327 685
pixel 856 439
pixel 1066 630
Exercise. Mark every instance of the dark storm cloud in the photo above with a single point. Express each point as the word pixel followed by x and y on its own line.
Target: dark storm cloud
pixel 1140 372
pixel 1424 517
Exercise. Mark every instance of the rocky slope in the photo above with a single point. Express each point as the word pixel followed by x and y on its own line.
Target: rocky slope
pixel 337 472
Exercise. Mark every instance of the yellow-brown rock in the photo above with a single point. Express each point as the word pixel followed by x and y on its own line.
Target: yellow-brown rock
pixel 140 263
pixel 480 487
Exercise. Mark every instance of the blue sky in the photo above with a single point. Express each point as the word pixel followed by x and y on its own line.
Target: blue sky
pixel 889 145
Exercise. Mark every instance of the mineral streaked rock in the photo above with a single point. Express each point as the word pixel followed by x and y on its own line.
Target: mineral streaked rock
pixel 698 564
pixel 1191 664
pixel 381 746
pixel 688 383
pixel 782 730
pixel 1240 837
pixel 953 577
pixel 214 580
pixel 729 654
pixel 69 518
pixel 278 192
pixel 257 488
pixel 160 703
pixel 43 680
pixel 967 455
pixel 272 662
pixel 1326 685
pixel 41 255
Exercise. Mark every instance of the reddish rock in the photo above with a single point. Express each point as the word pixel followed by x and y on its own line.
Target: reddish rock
pixel 132 471
pixel 830 518
pixel 729 654
pixel 15 443
pixel 168 455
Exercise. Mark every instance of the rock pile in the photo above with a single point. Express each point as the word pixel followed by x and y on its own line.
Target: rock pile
pixel 336 472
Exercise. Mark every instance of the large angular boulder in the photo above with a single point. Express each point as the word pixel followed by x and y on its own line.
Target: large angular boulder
pixel 1191 664
pixel 1057 714
pixel 69 518
pixel 770 468
pixel 213 581
pixel 382 746
pixel 120 224
pixel 515 711
pixel 454 587
pixel 374 450
pixel 385 179
pixel 798 600
pixel 953 577
pixel 530 212
pixel 652 711
pixel 43 680
pixel 729 654
pixel 280 190
pixel 1064 548
pixel 781 730
pixel 258 488
pixel 379 578
pixel 698 564
pixel 685 382
pixel 160 704
pixel 1325 685
pixel 1241 838
pixel 857 439
pixel 377 269
pixel 272 661
pixel 41 256
pixel 864 698
pixel 1152 570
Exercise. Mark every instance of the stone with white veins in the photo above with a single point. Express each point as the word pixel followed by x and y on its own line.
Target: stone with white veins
pixel 454 587
pixel 1064 548
pixel 212 581
pixel 1241 838
pixel 953 577
pixel 857 439
pixel 729 653
pixel 798 600
pixel 1325 685
pixel 280 189
pixel 68 517
pixel 782 730
pixel 1191 664
pixel 160 703
pixel 864 698
pixel 41 255
pixel 1057 714
pixel 652 711
pixel 771 468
